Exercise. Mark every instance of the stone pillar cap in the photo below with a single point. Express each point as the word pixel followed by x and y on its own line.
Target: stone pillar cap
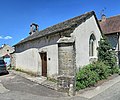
pixel 66 40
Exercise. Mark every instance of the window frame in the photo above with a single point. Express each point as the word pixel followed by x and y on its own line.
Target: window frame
pixel 92 45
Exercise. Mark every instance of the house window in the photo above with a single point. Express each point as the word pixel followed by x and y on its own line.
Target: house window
pixel 92 45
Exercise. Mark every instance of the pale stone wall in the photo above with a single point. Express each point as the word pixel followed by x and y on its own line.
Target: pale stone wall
pixel 13 60
pixel 66 61
pixel 82 35
pixel 6 49
pixel 66 56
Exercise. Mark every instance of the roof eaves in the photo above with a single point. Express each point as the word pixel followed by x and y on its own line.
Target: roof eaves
pixel 97 22
pixel 112 33
pixel 41 36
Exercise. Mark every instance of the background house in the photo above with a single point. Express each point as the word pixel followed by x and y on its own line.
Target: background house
pixel 111 29
pixel 59 49
pixel 5 52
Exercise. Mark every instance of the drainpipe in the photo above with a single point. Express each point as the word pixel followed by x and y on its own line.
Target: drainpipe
pixel 118 48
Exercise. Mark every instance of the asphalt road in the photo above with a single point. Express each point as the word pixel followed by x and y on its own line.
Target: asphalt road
pixel 15 87
pixel 113 93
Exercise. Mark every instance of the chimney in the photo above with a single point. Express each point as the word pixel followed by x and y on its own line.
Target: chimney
pixel 103 18
pixel 33 28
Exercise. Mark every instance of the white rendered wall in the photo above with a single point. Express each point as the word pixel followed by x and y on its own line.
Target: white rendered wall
pixel 82 35
pixel 52 59
pixel 30 60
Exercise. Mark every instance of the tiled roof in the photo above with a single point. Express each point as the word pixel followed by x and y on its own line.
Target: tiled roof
pixel 68 24
pixel 110 25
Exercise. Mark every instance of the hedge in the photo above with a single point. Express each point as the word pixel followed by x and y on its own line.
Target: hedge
pixel 90 74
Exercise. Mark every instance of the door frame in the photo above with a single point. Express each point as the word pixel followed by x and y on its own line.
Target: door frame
pixel 43 56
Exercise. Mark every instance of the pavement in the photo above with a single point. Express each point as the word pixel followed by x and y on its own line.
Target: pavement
pixel 87 94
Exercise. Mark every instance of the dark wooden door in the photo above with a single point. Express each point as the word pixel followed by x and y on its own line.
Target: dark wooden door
pixel 44 63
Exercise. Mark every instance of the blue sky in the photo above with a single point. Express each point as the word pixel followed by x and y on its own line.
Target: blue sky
pixel 17 15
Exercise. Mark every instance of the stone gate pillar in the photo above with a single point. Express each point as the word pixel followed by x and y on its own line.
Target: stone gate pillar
pixel 66 59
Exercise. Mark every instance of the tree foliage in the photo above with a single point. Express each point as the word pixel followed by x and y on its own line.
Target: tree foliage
pixel 105 53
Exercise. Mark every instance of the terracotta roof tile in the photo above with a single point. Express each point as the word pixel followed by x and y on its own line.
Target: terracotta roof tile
pixel 110 25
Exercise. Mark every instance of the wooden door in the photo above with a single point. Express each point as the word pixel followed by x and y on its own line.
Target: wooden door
pixel 44 63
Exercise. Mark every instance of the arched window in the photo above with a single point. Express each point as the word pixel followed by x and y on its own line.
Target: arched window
pixel 92 45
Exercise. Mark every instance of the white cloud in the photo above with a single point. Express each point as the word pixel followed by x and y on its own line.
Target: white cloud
pixel 1 37
pixel 22 39
pixel 8 37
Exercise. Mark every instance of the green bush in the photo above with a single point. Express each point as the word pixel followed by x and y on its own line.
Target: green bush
pixel 114 69
pixel 79 85
pixel 101 69
pixel 90 74
pixel 86 77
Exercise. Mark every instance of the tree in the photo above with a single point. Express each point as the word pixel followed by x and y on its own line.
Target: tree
pixel 106 54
